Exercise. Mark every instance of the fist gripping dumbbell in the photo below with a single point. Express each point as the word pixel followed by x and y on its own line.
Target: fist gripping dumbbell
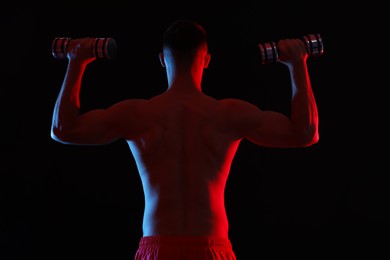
pixel 313 42
pixel 102 47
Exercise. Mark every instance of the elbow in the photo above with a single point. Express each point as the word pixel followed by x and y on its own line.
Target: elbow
pixel 311 137
pixel 57 135
pixel 305 137
pixel 312 141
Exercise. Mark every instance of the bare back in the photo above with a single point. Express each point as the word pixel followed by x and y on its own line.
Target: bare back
pixel 183 156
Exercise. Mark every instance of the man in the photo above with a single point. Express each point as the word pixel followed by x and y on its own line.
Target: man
pixel 184 141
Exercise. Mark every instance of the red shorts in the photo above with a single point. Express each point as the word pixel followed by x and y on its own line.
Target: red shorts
pixel 184 247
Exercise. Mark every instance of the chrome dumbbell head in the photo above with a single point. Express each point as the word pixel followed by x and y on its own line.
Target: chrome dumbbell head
pixel 314 44
pixel 59 47
pixel 105 48
pixel 268 52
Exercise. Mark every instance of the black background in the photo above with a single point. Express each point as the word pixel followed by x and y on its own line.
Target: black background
pixel 70 202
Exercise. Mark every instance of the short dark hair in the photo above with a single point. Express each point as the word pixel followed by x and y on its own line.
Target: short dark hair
pixel 184 36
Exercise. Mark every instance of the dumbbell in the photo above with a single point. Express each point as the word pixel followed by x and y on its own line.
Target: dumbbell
pixel 102 47
pixel 313 42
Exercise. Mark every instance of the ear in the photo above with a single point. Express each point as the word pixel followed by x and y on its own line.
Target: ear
pixel 207 60
pixel 161 57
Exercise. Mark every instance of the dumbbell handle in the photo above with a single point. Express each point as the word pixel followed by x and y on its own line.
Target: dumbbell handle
pixel 313 42
pixel 102 47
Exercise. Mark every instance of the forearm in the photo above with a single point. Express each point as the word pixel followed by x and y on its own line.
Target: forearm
pixel 304 113
pixel 67 105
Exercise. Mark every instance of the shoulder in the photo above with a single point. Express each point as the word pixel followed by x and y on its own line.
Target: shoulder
pixel 129 103
pixel 233 105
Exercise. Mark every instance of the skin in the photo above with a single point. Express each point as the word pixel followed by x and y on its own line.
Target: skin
pixel 184 141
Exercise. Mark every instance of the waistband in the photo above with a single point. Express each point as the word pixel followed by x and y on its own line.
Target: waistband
pixel 185 240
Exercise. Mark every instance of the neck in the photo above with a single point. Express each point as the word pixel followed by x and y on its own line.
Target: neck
pixel 184 86
pixel 189 80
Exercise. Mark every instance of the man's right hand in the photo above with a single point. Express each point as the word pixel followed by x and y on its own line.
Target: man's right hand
pixel 292 51
pixel 81 50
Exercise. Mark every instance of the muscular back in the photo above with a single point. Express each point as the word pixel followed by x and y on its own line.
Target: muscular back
pixel 183 152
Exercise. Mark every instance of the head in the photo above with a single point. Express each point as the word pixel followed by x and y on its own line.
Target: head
pixel 185 44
